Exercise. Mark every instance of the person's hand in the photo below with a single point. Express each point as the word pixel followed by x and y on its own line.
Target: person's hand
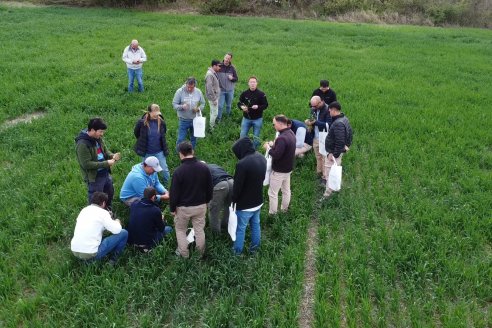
pixel 184 106
pixel 215 103
pixel 136 61
pixel 117 156
pixel 165 196
pixel 196 109
pixel 244 108
pixel 331 157
pixel 346 148
pixel 254 106
pixel 230 76
pixel 111 162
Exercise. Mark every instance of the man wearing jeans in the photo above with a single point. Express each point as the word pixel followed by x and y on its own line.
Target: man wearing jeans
pixel 87 243
pixel 191 190
pixel 95 160
pixel 134 56
pixel 187 102
pixel 247 193
pixel 227 80
pixel 282 151
pixel 252 102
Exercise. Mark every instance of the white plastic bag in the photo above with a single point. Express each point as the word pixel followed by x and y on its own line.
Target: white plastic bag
pixel 232 225
pixel 322 139
pixel 199 124
pixel 191 235
pixel 335 176
pixel 266 182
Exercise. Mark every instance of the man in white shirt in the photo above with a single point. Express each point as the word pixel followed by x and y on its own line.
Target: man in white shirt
pixel 134 56
pixel 87 243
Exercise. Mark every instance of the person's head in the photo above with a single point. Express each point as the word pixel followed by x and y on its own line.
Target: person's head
pixel 154 111
pixel 228 58
pixel 99 198
pixel 215 65
pixel 190 84
pixel 252 83
pixel 334 108
pixel 96 127
pixel 134 44
pixel 151 165
pixel 150 193
pixel 280 122
pixel 316 102
pixel 185 149
pixel 324 85
pixel 289 123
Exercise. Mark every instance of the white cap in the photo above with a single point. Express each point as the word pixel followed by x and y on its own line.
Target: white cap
pixel 153 162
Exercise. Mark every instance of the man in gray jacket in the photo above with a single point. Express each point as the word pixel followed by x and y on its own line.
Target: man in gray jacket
pixel 212 90
pixel 227 80
pixel 188 100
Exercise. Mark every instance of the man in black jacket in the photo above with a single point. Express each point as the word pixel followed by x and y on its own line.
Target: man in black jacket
pixel 338 141
pixel 325 92
pixel 147 226
pixel 252 102
pixel 247 192
pixel 282 151
pixel 191 190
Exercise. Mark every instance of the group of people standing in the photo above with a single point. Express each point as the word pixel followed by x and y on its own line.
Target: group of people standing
pixel 195 185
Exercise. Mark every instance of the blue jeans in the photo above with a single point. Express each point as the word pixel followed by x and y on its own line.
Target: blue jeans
pixel 159 235
pixel 132 73
pixel 183 127
pixel 246 124
pixel 162 162
pixel 113 244
pixel 243 218
pixel 104 183
pixel 225 98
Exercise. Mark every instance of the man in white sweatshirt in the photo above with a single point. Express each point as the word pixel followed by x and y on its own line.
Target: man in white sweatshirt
pixel 87 243
pixel 134 56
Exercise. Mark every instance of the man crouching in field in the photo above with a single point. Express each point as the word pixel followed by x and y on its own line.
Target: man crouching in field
pixel 91 223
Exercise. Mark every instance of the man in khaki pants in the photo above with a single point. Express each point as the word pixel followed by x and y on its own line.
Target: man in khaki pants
pixel 320 117
pixel 191 190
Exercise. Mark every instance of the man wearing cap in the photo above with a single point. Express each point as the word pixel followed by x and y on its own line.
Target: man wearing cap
pixel 325 92
pixel 95 160
pixel 141 176
pixel 134 56
pixel 227 80
pixel 147 226
pixel 212 90
pixel 187 102
pixel 191 190
pixel 221 199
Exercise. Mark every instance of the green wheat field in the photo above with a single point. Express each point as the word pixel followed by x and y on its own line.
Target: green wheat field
pixel 406 243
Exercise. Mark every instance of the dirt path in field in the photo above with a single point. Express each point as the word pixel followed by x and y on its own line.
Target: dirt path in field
pixel 307 301
pixel 28 118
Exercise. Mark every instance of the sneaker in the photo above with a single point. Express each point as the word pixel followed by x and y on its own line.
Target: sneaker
pixel 322 182
pixel 327 194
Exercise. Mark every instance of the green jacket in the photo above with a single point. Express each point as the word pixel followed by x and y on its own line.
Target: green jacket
pixel 86 150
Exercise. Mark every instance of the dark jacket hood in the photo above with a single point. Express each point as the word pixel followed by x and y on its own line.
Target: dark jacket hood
pixel 84 137
pixel 243 147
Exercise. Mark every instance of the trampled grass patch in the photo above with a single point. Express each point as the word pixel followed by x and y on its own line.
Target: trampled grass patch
pixel 406 243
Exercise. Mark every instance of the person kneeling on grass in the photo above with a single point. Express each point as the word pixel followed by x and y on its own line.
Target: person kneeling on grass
pixel 141 176
pixel 147 226
pixel 87 243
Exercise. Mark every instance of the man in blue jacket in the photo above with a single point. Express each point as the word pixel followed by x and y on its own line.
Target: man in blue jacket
pixel 147 226
pixel 141 176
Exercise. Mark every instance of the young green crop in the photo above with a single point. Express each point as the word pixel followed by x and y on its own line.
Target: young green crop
pixel 405 243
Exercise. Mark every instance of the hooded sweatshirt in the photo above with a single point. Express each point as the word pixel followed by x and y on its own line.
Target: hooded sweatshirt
pixel 194 99
pixel 86 149
pixel 249 175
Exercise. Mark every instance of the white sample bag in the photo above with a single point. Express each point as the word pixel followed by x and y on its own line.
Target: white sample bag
pixel 322 139
pixel 191 235
pixel 199 124
pixel 335 176
pixel 232 225
pixel 266 182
